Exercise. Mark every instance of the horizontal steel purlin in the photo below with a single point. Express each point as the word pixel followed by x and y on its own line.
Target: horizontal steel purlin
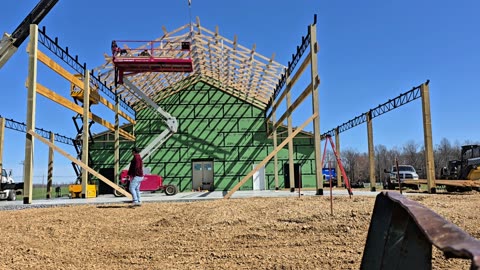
pixel 390 105
pixel 73 62
pixel 22 127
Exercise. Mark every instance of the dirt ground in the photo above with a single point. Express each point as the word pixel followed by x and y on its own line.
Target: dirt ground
pixel 255 233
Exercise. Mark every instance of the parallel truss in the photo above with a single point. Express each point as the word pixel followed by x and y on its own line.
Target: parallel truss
pixel 217 60
pixel 15 125
pixel 74 63
pixel 390 105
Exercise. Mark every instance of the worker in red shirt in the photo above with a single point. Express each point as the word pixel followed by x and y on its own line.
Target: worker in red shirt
pixel 135 174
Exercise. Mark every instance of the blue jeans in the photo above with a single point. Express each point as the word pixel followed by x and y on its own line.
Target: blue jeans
pixel 135 188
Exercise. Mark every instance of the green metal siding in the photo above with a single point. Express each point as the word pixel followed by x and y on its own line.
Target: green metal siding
pixel 213 125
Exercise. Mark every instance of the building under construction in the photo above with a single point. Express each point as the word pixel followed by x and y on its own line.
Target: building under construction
pixel 204 127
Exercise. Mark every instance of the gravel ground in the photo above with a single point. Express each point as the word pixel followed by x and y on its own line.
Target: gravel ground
pixel 253 233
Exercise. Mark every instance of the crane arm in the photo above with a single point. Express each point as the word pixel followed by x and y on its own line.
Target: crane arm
pixel 10 43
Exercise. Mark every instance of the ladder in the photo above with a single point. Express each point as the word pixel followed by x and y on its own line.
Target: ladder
pixel 339 162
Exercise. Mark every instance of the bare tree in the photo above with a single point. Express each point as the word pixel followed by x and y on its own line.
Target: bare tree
pixel 362 168
pixel 410 154
pixel 381 160
pixel 349 159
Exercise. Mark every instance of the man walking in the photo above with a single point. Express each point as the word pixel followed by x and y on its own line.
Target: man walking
pixel 135 174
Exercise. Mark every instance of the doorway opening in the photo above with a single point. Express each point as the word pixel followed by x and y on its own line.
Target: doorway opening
pixel 202 175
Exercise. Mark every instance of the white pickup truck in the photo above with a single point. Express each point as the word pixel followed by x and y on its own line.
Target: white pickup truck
pixel 406 172
pixel 8 187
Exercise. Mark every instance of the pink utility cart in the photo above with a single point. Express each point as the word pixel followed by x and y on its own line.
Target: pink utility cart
pixel 151 182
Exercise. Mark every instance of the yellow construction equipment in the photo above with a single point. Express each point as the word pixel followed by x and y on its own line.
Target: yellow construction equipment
pixel 76 191
pixel 77 93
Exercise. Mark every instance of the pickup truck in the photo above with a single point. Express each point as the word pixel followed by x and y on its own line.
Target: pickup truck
pixel 8 187
pixel 327 173
pixel 406 172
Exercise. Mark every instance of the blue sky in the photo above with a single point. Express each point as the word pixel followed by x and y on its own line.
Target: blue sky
pixel 370 51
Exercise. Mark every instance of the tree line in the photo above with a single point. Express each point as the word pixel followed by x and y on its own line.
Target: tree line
pixel 356 164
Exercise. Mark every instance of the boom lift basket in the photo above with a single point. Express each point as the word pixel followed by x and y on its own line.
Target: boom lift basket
pixel 153 56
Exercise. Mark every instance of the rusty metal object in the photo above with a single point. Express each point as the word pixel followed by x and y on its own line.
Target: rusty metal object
pixel 402 233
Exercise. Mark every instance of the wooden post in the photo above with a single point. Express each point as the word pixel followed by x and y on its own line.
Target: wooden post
pixel 86 130
pixel 371 152
pixel 337 145
pixel 31 109
pixel 50 167
pixel 316 107
pixel 265 160
pixel 116 154
pixel 275 158
pixel 291 168
pixel 427 132
pixel 81 164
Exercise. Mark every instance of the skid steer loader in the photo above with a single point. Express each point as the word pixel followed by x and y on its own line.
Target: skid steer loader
pixel 467 168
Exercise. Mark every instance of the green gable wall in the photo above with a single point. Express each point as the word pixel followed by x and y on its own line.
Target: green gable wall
pixel 213 125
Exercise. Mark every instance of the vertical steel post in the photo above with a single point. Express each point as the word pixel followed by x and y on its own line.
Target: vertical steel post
pixel 31 108
pixel 427 132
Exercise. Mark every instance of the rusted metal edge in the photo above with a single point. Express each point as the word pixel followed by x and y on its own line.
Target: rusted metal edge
pixel 446 236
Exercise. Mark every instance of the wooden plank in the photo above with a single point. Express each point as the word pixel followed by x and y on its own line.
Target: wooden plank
pixel 295 104
pixel 78 83
pixel 273 153
pixel 78 109
pixel 81 164
pixel 59 69
pixel 457 183
pixel 109 105
pixel 301 69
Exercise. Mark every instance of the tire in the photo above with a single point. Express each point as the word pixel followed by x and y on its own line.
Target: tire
pixel 170 190
pixel 391 186
pixel 125 186
pixel 116 193
pixel 12 196
pixel 451 188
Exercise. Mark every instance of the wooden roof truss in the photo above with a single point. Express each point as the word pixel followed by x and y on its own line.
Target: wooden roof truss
pixel 218 61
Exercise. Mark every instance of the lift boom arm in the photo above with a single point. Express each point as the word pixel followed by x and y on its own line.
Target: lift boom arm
pixel 168 119
pixel 10 43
